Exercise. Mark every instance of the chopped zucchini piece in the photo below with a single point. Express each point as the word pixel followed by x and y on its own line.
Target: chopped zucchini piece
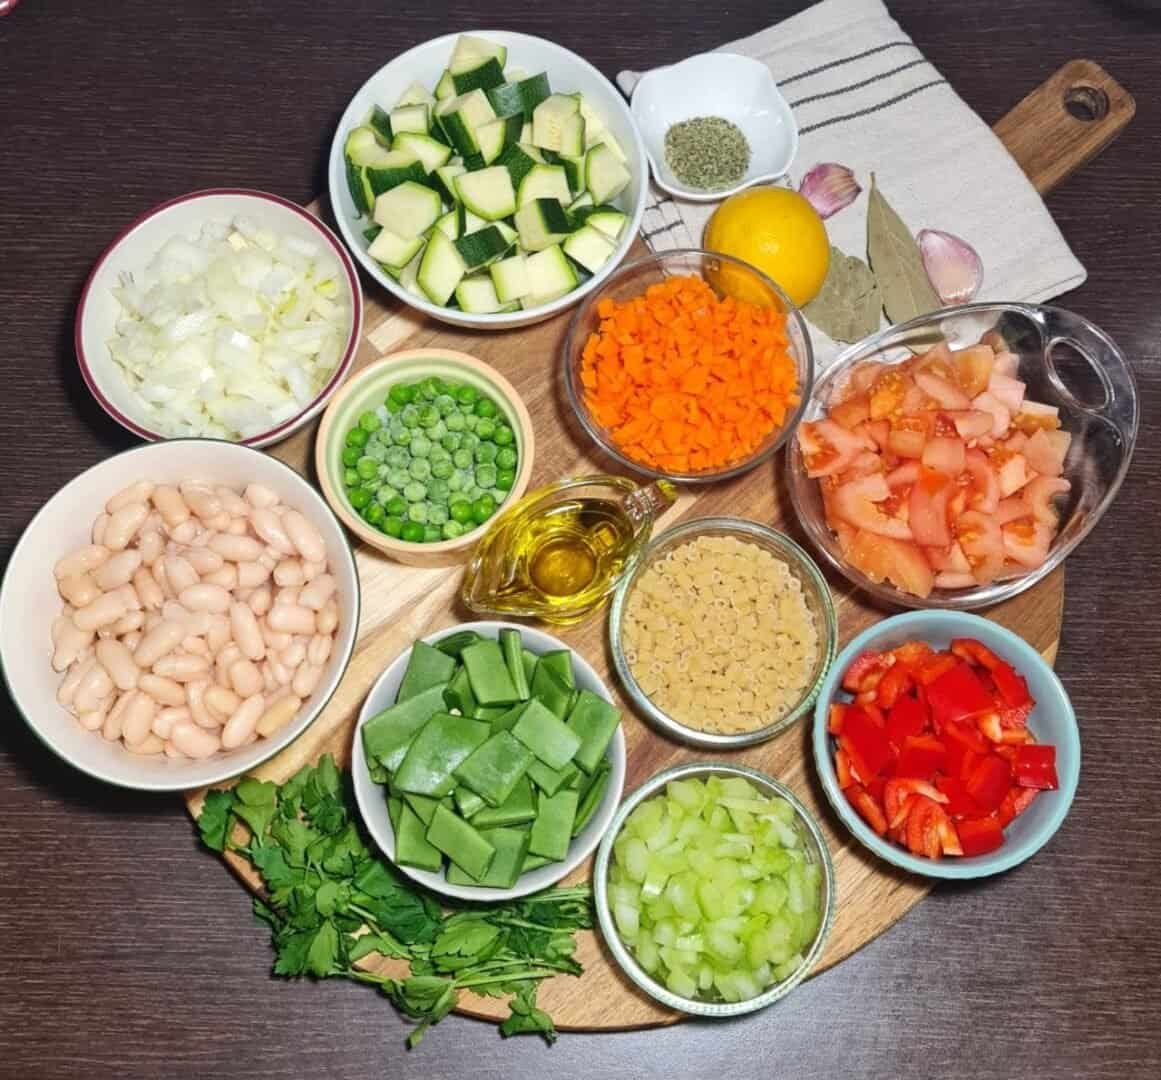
pixel 609 221
pixel 413 118
pixel 416 94
pixel 408 210
pixel 409 276
pixel 483 246
pixel 449 225
pixel 553 127
pixel 496 136
pixel 442 269
pixel 445 175
pixel 590 247
pixel 397 167
pixel 540 224
pixel 485 75
pixel 364 148
pixel 544 182
pixel 445 88
pixel 380 123
pixel 488 192
pixel 477 295
pixel 470 51
pixel 605 174
pixel 394 251
pixel 550 276
pixel 520 98
pixel 510 278
pixel 431 153
pixel 518 162
pixel 460 116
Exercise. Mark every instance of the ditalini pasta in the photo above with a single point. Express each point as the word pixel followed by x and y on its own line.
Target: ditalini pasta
pixel 719 635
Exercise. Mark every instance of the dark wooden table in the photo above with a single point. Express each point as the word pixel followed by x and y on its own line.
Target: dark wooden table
pixel 125 951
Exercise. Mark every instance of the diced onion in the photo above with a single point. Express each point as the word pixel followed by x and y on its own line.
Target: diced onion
pixel 230 333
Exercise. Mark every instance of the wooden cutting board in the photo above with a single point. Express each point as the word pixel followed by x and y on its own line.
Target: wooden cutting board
pixel 402 603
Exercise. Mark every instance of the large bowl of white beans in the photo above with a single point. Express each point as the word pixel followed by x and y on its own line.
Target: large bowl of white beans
pixel 177 614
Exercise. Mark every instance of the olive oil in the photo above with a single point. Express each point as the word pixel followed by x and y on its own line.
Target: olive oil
pixel 559 552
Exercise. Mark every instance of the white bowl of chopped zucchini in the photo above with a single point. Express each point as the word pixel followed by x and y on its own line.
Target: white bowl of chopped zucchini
pixel 488 179
pixel 488 761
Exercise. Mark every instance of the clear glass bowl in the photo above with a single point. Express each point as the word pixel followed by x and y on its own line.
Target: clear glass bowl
pixel 814 590
pixel 632 280
pixel 1065 361
pixel 817 852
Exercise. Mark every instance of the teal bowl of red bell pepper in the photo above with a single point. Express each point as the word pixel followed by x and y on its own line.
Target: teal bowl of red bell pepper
pixel 1051 722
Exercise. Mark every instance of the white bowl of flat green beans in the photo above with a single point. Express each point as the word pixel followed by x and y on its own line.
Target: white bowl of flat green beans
pixel 383 806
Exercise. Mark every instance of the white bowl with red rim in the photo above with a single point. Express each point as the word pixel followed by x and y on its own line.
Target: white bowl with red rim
pixel 99 309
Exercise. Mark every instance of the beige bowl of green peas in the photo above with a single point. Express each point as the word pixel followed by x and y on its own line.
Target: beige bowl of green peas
pixel 419 450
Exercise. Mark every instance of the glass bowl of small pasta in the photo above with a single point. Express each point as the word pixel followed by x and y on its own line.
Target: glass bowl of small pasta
pixel 722 632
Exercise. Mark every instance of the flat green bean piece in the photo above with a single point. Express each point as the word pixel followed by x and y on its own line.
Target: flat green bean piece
pixel 387 734
pixel 552 830
pixel 440 745
pixel 426 667
pixel 460 842
pixel 412 847
pixel 493 770
pixel 546 735
pixel 507 864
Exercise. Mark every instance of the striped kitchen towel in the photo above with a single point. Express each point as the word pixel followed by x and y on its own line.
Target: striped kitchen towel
pixel 865 96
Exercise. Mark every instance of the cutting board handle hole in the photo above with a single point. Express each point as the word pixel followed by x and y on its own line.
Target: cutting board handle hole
pixel 1086 103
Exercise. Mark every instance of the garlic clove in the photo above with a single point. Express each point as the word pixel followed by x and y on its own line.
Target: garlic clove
pixel 953 266
pixel 829 187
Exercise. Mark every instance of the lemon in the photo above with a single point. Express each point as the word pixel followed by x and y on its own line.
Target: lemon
pixel 779 232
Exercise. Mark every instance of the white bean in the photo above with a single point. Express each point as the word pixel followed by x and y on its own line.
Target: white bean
pixel 165 719
pixel 318 592
pixel 152 619
pixel 185 533
pixel 164 691
pixel 137 720
pixel 148 590
pixel 174 611
pixel 328 617
pixel 182 667
pixel 319 650
pixel 162 639
pixel 259 495
pixel 193 741
pixel 93 687
pixel 268 677
pixel 260 600
pixel 134 493
pixel 306 678
pixel 79 590
pixel 287 595
pixel 232 503
pixel 127 624
pixel 111 726
pixel 179 573
pixel 273 638
pixel 241 725
pixel 269 560
pixel 173 753
pixel 132 639
pixel 103 611
pixel 97 534
pixel 226 577
pixel 282 674
pixel 246 632
pixel 223 661
pixel 195 699
pixel 198 623
pixel 77 670
pixel 201 500
pixel 72 641
pixel 219 634
pixel 235 548
pixel 268 526
pixel 170 505
pixel 202 597
pixel 221 701
pixel 151 744
pixel 202 559
pixel 197 646
pixel 93 720
pixel 220 522
pixel 151 545
pixel 245 677
pixel 294 654
pixel 304 536
pixel 117 570
pixel 237 527
pixel 81 561
pixel 291 619
pixel 118 662
pixel 288 573
pixel 253 574
pixel 129 595
pixel 278 714
pixel 123 525
pixel 58 625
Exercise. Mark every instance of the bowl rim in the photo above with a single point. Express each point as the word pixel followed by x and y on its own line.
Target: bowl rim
pixel 691 63
pixel 828 633
pixel 491 320
pixel 278 745
pixel 279 430
pixel 617 751
pixel 624 957
pixel 575 398
pixel 325 435
pixel 957 868
pixel 979 596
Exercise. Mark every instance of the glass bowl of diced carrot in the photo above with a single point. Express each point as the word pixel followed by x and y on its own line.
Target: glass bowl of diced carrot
pixel 689 365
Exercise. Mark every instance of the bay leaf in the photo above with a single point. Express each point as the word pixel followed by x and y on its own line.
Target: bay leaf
pixel 898 265
pixel 848 306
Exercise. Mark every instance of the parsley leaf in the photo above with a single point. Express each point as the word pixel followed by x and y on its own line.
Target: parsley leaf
pixel 214 820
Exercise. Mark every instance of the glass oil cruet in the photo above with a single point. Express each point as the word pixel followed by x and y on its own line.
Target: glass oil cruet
pixel 558 553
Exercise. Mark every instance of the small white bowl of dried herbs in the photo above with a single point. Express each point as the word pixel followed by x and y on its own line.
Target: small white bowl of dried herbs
pixel 713 125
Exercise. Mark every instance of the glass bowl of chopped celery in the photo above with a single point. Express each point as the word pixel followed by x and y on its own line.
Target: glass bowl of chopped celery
pixel 714 888
pixel 688 364
pixel 420 450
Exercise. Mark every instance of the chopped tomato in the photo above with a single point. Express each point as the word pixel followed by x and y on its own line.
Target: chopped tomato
pixel 1026 542
pixel 882 558
pixel 869 810
pixel 1008 391
pixel 985 484
pixel 1039 498
pixel 957 694
pixel 945 394
pixel 989 781
pixel 921 757
pixel 1046 451
pixel 908 438
pixel 851 412
pixel 890 386
pixel 971 424
pixel 927 507
pixel 978 836
pixel 827 447
pixel 982 543
pixel 904 474
pixel 1035 767
pixel 1000 413
pixel 855 503
pixel 973 368
pixel 945 455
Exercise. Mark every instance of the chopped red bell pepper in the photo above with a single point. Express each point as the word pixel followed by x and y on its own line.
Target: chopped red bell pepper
pixel 989 781
pixel 908 716
pixel 896 680
pixel 842 768
pixel 975 652
pixel 965 735
pixel 1015 716
pixel 929 670
pixel 868 809
pixel 978 836
pixel 911 653
pixel 1015 803
pixel 959 803
pixel 957 694
pixel 875 713
pixel 923 835
pixel 1011 685
pixel 921 756
pixel 864 665
pixel 834 718
pixel 1035 767
pixel 990 727
pixel 865 743
pixel 876 786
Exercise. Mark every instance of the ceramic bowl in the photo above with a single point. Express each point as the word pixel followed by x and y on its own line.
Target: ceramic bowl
pixel 736 88
pixel 567 73
pixel 99 310
pixel 817 852
pixel 29 603
pixel 366 391
pixel 814 590
pixel 1051 721
pixel 371 796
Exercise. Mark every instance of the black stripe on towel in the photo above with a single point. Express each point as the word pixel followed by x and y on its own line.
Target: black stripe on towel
pixel 873 108
pixel 648 234
pixel 858 85
pixel 847 60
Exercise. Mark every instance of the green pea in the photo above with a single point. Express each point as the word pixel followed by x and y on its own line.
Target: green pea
pixel 446 404
pixel 430 388
pixel 455 482
pixel 399 478
pixel 410 416
pixel 438 453
pixel 396 506
pixel 402 393
pixel 486 428
pixel 506 458
pixel 485 452
pixel 359 498
pixel 438 490
pixel 401 436
pixel 437 431
pixel 471 492
pixel 397 457
pixel 350 455
pixel 415 492
pixel 357 437
pixel 483 508
pixel 505 478
pixel 367 468
pixel 385 494
pixel 470 421
pixel 417 512
pixel 391 405
pixel 466 395
pixel 369 422
pixel 470 440
pixel 412 532
pixel 420 468
pixel 504 435
pixel 486 476
pixel 461 511
pixel 428 416
pixel 451 442
pixel 486 407
pixel 392 525
pixel 374 513
pixel 420 446
pixel 431 534
pixel 376 451
pixel 456 422
pixel 437 515
pixel 452 530
pixel 443 468
pixel 350 478
pixel 462 459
